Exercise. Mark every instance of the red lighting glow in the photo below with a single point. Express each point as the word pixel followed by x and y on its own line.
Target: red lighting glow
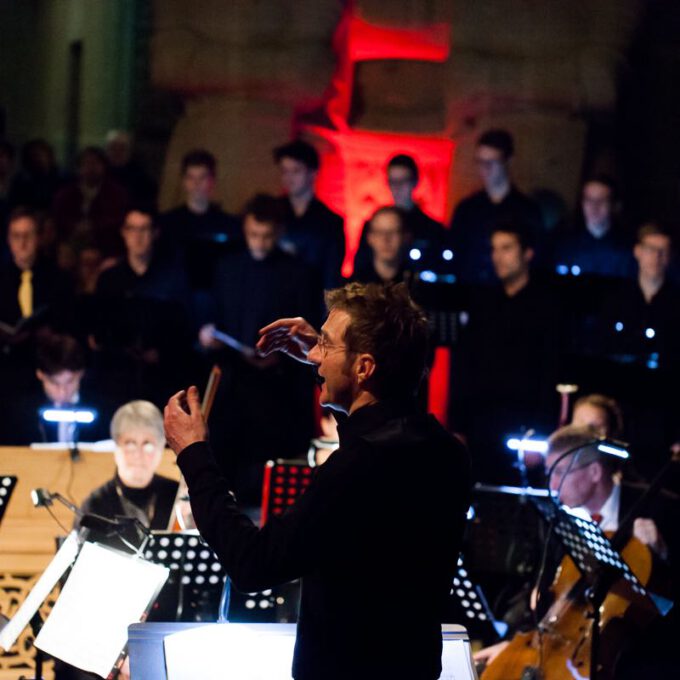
pixel 352 175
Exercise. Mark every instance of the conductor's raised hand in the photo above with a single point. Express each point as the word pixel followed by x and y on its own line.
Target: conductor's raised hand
pixel 294 337
pixel 184 423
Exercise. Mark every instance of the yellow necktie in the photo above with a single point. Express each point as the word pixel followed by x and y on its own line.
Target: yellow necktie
pixel 26 293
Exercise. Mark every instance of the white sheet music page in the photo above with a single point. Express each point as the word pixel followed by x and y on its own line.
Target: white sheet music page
pixel 231 650
pixel 457 660
pixel 106 592
pixel 43 587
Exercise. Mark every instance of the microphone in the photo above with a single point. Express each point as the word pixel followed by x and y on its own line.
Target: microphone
pixel 42 498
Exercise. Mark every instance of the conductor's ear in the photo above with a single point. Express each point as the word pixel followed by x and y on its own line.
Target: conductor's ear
pixel 365 368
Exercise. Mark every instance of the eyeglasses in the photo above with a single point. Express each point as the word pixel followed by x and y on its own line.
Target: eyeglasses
pixel 325 347
pixel 563 471
pixel 131 447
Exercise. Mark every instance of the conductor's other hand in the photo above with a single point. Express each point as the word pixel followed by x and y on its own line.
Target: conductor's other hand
pixel 184 424
pixel 206 338
pixel 294 337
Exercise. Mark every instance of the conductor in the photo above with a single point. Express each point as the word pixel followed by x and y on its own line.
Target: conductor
pixel 375 538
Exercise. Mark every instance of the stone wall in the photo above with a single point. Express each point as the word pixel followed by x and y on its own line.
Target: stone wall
pixel 541 68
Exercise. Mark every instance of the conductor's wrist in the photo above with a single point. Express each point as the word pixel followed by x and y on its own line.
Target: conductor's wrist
pixel 185 450
pixel 196 460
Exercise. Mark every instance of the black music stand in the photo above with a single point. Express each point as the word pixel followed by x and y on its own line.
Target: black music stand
pixel 197 579
pixel 7 484
pixel 504 534
pixel 601 566
pixel 468 604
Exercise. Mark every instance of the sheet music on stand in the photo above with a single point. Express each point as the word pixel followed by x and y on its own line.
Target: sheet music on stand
pixel 196 576
pixel 594 555
pixel 64 558
pixel 7 484
pixel 106 591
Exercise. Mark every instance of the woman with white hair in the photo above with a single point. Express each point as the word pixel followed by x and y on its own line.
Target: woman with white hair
pixel 136 490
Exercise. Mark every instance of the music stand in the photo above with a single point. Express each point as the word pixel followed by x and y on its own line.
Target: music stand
pixel 600 565
pixel 469 604
pixel 444 305
pixel 273 605
pixel 106 591
pixel 284 481
pixel 504 534
pixel 27 613
pixel 7 484
pixel 197 578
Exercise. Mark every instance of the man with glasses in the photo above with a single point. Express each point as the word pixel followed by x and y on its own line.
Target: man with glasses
pixel 498 201
pixel 640 329
pixel 588 481
pixel 35 297
pixel 376 535
pixel 33 290
pixel 595 244
pixel 140 323
pixel 642 315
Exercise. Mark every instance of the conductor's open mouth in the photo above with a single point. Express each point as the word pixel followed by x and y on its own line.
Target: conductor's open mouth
pixel 320 380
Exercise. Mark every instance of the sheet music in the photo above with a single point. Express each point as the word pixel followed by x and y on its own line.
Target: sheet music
pixel 457 661
pixel 106 592
pixel 43 587
pixel 246 651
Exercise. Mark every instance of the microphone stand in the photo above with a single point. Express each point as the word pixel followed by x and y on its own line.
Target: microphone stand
pixel 74 451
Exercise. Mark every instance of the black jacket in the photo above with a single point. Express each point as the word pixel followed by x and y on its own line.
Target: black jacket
pixel 375 539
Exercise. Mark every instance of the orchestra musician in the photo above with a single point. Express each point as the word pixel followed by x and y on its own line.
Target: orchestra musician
pixel 136 490
pixel 589 481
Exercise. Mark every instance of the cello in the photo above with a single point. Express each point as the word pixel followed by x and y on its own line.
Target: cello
pixel 560 647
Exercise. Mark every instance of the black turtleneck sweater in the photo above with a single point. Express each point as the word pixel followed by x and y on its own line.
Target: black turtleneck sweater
pixel 375 539
pixel 152 505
